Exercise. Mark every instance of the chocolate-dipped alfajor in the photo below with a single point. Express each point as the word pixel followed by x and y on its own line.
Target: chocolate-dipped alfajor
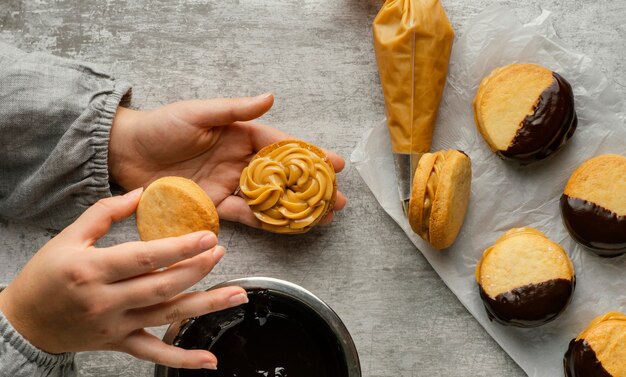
pixel 525 279
pixel 600 350
pixel 525 112
pixel 290 186
pixel 593 205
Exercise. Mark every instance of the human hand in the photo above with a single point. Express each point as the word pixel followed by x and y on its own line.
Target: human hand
pixel 208 141
pixel 72 296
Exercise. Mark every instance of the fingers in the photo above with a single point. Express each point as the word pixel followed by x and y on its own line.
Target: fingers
pixel 338 162
pixel 148 347
pixel 340 204
pixel 340 201
pixel 157 287
pixel 96 221
pixel 262 135
pixel 189 305
pixel 235 208
pixel 131 259
pixel 221 111
pixel 330 216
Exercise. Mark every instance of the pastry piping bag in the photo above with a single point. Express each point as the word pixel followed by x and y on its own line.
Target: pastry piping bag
pixel 412 42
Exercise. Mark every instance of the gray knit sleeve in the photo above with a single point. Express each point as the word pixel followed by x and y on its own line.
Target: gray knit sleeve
pixel 19 358
pixel 55 119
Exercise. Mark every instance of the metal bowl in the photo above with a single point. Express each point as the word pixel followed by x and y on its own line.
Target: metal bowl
pixel 297 295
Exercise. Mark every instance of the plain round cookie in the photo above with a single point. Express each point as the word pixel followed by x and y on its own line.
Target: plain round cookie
pixel 290 186
pixel 440 196
pixel 173 206
pixel 525 279
pixel 525 112
pixel 593 205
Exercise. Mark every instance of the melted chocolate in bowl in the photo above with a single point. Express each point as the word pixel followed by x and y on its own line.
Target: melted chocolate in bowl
pixel 274 335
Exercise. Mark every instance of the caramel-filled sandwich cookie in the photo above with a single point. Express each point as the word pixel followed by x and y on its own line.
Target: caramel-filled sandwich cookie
pixel 173 206
pixel 525 112
pixel 525 279
pixel 600 350
pixel 593 205
pixel 439 196
pixel 290 186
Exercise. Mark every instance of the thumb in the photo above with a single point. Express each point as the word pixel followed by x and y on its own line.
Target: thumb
pixel 221 111
pixel 96 221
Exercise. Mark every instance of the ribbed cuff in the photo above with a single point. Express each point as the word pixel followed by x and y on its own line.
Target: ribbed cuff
pixel 99 140
pixel 32 354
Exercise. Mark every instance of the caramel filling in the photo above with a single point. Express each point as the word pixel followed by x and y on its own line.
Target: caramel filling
pixel 288 189
pixel 429 195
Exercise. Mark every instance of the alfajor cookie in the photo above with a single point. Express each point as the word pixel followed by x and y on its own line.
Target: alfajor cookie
pixel 439 196
pixel 525 279
pixel 290 186
pixel 593 205
pixel 525 112
pixel 600 350
pixel 173 206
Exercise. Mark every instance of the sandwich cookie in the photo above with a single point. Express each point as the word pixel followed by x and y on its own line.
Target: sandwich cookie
pixel 439 196
pixel 525 279
pixel 593 205
pixel 525 112
pixel 600 350
pixel 173 206
pixel 290 186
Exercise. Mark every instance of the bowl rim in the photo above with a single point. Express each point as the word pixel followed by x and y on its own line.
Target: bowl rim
pixel 293 291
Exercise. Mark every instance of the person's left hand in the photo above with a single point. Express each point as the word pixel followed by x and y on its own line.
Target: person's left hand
pixel 73 296
pixel 208 141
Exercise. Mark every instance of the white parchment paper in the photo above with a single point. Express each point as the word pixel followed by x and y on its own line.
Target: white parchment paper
pixel 504 196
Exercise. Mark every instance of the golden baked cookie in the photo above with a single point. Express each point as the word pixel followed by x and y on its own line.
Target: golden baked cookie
pixel 593 205
pixel 173 206
pixel 525 112
pixel 290 186
pixel 439 196
pixel 525 279
pixel 600 350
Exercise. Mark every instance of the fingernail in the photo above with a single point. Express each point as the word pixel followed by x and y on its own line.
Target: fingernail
pixel 218 253
pixel 209 366
pixel 208 241
pixel 264 95
pixel 238 299
pixel 134 193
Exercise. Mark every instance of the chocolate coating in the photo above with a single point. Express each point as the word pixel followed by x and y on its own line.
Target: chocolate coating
pixel 531 305
pixel 595 227
pixel 273 335
pixel 545 131
pixel 581 361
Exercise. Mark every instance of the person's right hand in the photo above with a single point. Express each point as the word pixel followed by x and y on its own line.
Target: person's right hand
pixel 208 141
pixel 72 296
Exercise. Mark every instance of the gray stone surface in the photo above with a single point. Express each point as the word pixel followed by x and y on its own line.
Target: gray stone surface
pixel 316 56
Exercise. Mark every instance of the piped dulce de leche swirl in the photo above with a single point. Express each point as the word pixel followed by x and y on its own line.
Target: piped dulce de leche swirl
pixel 289 186
pixel 429 195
